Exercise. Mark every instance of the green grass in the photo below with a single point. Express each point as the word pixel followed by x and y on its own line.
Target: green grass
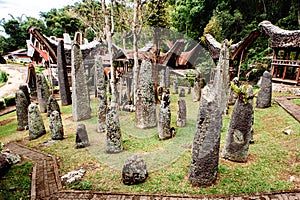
pixel 296 101
pixel 15 184
pixel 273 158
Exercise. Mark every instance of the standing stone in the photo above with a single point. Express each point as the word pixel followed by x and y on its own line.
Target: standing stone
pixel 80 95
pixel 239 131
pixel 181 114
pixel 162 79
pixel 42 92
pixel 197 87
pixel 35 122
pixel 205 152
pixel 63 82
pixel 101 94
pixel 134 170
pixel 175 85
pixel 114 143
pixel 164 118
pixel 52 105
pixel 56 126
pixel 145 115
pixel 24 88
pixel 182 92
pixel 82 139
pixel 168 82
pixel 264 95
pixel 22 110
pixel 189 89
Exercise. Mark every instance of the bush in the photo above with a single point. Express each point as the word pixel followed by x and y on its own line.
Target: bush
pixel 2 105
pixel 10 101
pixel 3 77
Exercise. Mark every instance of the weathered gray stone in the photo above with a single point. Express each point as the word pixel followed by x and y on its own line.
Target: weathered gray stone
pixel 63 82
pixel 205 152
pixel 239 131
pixel 164 118
pixel 175 85
pixel 42 92
pixel 189 89
pixel 52 105
pixel 101 94
pixel 167 77
pixel 56 126
pixel 82 139
pixel 80 95
pixel 35 122
pixel 72 176
pixel 197 87
pixel 22 110
pixel 162 79
pixel 264 96
pixel 134 170
pixel 11 158
pixel 182 92
pixel 24 88
pixel 181 114
pixel 114 143
pixel 145 115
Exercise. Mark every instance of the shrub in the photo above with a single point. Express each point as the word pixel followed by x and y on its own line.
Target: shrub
pixel 10 101
pixel 3 77
pixel 2 105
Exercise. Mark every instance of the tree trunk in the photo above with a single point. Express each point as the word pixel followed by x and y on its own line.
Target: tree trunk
pixel 135 49
pixel 155 61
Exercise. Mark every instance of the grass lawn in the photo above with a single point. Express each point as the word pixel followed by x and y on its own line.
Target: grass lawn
pixel 273 159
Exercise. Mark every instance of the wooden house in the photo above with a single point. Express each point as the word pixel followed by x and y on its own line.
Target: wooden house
pixel 285 65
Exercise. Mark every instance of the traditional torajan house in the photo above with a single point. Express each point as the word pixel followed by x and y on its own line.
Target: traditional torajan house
pixel 285 65
pixel 238 51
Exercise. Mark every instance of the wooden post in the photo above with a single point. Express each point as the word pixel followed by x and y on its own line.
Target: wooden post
pixel 298 75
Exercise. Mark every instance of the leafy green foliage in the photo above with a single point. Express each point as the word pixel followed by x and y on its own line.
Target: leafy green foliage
pixel 3 76
pixel 10 101
pixel 242 92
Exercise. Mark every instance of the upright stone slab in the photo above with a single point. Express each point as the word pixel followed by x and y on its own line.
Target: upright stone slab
pixel 63 82
pixel 134 170
pixel 162 79
pixel 52 105
pixel 164 118
pixel 42 92
pixel 82 139
pixel 24 88
pixel 114 143
pixel 197 87
pixel 145 115
pixel 22 110
pixel 80 95
pixel 239 131
pixel 189 89
pixel 181 114
pixel 101 94
pixel 168 82
pixel 205 152
pixel 56 126
pixel 264 96
pixel 182 92
pixel 175 85
pixel 35 122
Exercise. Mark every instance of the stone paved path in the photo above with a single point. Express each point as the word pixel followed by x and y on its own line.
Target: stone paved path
pixel 289 106
pixel 46 184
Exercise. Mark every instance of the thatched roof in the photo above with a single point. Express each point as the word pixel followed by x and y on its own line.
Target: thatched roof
pixel 280 38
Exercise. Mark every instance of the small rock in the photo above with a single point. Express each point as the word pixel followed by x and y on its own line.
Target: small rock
pixel 72 176
pixel 134 171
pixel 287 132
pixel 292 178
pixel 12 159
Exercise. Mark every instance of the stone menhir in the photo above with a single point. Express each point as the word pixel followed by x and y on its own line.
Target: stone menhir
pixel 167 77
pixel 145 114
pixel 264 95
pixel 101 94
pixel 162 79
pixel 22 110
pixel 42 92
pixel 239 131
pixel 56 126
pixel 205 152
pixel 197 87
pixel 175 85
pixel 24 88
pixel 114 143
pixel 80 95
pixel 182 92
pixel 134 170
pixel 35 122
pixel 181 114
pixel 63 82
pixel 82 139
pixel 164 118
pixel 189 89
pixel 52 105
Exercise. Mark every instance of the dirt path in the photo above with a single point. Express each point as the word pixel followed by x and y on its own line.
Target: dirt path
pixel 17 76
